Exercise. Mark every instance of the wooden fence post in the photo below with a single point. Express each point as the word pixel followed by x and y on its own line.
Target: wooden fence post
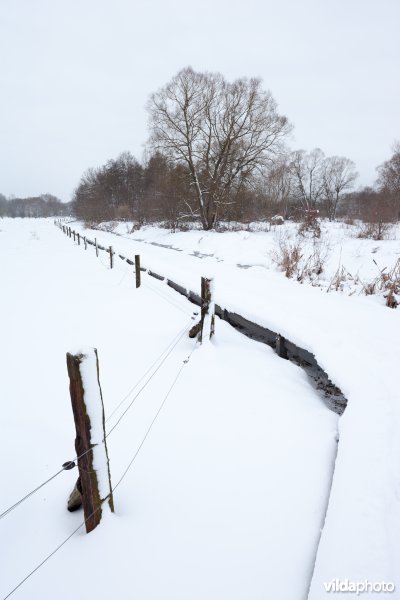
pixel 97 248
pixel 205 328
pixel 79 239
pixel 137 269
pixel 85 242
pixel 94 483
pixel 74 234
pixel 280 346
pixel 111 257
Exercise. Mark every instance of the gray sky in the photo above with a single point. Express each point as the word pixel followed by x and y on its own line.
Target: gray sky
pixel 76 75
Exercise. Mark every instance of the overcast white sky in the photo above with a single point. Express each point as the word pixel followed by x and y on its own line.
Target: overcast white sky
pixel 76 75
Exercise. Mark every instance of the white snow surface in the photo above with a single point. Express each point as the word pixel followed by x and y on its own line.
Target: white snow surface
pixel 228 495
pixel 355 339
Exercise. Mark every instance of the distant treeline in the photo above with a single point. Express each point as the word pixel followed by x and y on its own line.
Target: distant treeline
pixel 160 192
pixel 217 152
pixel 45 205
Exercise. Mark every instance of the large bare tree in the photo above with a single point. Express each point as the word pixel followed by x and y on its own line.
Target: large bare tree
pixel 306 168
pixel 338 176
pixel 223 132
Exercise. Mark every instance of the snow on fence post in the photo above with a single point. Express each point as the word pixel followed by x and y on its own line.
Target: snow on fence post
pixel 137 269
pixel 94 483
pixel 205 328
pixel 207 309
pixel 111 257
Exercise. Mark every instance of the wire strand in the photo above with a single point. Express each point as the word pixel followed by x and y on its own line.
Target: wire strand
pixel 164 297
pixel 77 457
pixel 147 382
pixel 31 493
pixel 113 489
pixel 146 372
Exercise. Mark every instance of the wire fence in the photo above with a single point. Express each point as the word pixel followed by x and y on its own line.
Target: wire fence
pixel 124 473
pixel 161 358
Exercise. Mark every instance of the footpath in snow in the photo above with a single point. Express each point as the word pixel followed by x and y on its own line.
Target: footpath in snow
pixel 358 344
pixel 226 498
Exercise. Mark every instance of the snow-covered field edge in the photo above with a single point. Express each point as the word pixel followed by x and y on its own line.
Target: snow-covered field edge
pixel 356 342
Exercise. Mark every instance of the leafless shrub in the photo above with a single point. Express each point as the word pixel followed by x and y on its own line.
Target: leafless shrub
pixel 388 282
pixel 288 256
pixel 348 221
pixel 313 265
pixel 291 258
pixel 108 226
pixel 340 278
pixel 374 231
pixel 310 224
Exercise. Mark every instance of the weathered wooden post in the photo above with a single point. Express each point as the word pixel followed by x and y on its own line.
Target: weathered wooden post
pixel 70 232
pixel 111 257
pixel 205 329
pixel 94 483
pixel 280 346
pixel 97 248
pixel 137 269
pixel 74 234
pixel 85 242
pixel 79 239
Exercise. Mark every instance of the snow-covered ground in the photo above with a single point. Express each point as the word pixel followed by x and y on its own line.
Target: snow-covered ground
pixel 228 494
pixel 355 339
pixel 349 263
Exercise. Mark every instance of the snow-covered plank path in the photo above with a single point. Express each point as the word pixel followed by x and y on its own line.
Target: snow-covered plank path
pixel 358 344
pixel 228 495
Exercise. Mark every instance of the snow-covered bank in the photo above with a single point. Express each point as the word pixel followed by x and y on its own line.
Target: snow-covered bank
pixel 348 263
pixel 227 496
pixel 357 342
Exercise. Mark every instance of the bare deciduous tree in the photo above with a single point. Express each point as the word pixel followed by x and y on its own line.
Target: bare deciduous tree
pixel 308 185
pixel 223 132
pixel 389 179
pixel 338 176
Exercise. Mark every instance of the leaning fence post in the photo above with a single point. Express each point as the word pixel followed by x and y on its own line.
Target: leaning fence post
pixel 205 328
pixel 111 257
pixel 94 483
pixel 97 248
pixel 137 269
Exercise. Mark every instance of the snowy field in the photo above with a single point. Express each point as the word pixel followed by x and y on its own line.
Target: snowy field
pixel 355 339
pixel 348 263
pixel 228 495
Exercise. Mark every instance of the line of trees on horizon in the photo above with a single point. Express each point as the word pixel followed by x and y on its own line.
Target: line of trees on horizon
pixel 45 205
pixel 217 151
